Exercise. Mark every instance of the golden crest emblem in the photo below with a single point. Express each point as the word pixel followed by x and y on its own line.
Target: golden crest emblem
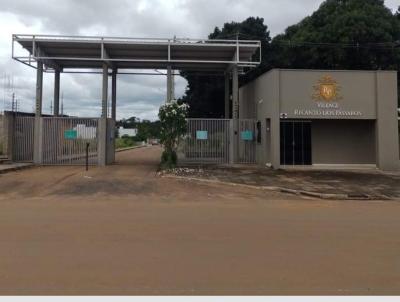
pixel 327 90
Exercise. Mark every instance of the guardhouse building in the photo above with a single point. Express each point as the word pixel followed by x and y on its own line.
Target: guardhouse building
pixel 324 118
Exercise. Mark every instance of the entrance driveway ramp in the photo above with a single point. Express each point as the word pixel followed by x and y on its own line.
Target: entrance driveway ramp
pixel 326 184
pixel 133 176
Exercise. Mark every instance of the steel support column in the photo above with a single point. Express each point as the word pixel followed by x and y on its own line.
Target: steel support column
pixel 102 138
pixel 227 95
pixel 104 99
pixel 111 156
pixel 170 85
pixel 37 139
pixel 114 94
pixel 56 108
pixel 235 114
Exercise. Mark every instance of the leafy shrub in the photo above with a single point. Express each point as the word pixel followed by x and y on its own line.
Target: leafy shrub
pixel 173 126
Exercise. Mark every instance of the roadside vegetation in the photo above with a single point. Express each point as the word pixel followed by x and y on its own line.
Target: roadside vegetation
pixel 126 142
pixel 145 130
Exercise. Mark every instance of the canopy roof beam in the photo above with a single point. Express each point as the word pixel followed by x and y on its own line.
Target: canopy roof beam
pixel 40 53
pixel 74 52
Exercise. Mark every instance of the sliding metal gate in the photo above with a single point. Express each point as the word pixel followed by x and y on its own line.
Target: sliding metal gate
pixel 22 140
pixel 64 140
pixel 206 141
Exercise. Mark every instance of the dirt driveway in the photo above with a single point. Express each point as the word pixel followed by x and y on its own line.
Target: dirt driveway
pixel 122 230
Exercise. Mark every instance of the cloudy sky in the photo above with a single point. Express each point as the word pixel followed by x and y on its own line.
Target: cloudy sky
pixel 137 95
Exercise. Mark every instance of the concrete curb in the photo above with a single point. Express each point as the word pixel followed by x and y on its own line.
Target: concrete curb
pixel 16 168
pixel 325 196
pixel 213 181
pixel 130 148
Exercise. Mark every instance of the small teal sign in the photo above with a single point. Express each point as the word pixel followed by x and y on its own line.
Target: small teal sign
pixel 70 134
pixel 246 135
pixel 202 135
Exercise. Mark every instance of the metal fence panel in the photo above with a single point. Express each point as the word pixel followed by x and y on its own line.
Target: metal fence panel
pixel 206 141
pixel 64 140
pixel 23 138
pixel 247 141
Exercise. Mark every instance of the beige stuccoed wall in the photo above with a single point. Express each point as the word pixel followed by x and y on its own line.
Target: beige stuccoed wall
pixel 368 95
pixel 343 141
pixel 263 92
pixel 387 137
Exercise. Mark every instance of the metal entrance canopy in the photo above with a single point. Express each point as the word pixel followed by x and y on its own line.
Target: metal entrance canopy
pixel 63 53
pixel 87 52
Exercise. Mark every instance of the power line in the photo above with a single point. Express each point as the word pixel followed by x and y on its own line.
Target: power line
pixel 378 45
pixel 369 45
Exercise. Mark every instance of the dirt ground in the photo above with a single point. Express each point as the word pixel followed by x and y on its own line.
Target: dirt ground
pixel 123 230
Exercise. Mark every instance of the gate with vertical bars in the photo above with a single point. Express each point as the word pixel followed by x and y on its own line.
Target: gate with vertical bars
pixel 247 141
pixel 207 141
pixel 22 140
pixel 64 140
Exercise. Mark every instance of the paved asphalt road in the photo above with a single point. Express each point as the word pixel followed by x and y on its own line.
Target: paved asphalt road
pixel 122 230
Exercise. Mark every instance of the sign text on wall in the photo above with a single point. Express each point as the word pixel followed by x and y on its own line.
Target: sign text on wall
pixel 327 94
pixel 327 109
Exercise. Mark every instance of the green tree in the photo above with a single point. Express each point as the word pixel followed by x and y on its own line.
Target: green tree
pixel 341 34
pixel 145 129
pixel 129 123
pixel 148 129
pixel 205 94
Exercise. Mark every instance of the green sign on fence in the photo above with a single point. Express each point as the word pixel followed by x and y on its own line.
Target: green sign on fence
pixel 70 134
pixel 201 135
pixel 247 135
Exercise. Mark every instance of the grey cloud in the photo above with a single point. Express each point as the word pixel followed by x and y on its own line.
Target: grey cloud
pixel 157 18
